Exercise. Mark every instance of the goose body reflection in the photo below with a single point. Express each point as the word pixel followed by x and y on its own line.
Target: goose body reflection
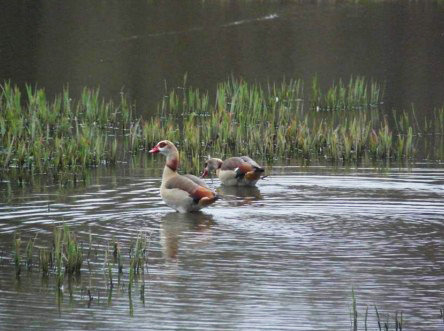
pixel 241 195
pixel 178 230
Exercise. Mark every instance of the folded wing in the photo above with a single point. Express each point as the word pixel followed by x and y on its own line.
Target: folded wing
pixel 199 193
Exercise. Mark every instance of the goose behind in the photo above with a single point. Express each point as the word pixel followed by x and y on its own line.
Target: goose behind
pixel 235 171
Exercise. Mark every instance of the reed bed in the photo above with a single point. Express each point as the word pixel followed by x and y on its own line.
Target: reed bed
pixel 59 135
pixel 339 123
pixel 343 124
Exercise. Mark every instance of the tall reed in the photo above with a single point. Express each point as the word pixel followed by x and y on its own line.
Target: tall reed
pixel 61 135
pixel 342 122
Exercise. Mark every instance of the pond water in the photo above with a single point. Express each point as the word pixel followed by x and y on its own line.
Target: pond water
pixel 284 255
pixel 140 46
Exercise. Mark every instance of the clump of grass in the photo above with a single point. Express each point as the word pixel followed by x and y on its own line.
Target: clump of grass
pixel 90 245
pixel 142 292
pixel 29 251
pixel 138 253
pixel 73 254
pixel 58 255
pixel 137 258
pixel 118 256
pixel 44 259
pixel 356 95
pixel 107 266
pixel 355 312
pixel 381 324
pixel 58 136
pixel 17 257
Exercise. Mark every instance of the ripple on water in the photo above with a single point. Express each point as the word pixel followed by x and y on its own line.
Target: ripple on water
pixel 285 254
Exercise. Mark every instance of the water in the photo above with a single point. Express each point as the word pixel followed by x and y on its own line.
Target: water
pixel 284 255
pixel 140 46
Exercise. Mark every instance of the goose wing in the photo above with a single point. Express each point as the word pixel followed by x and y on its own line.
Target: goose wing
pixel 196 191
pixel 253 163
pixel 197 180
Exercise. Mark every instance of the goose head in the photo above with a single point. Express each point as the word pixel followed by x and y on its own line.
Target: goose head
pixel 210 165
pixel 164 147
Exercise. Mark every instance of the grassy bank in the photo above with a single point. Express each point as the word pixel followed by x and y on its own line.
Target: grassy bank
pixel 340 123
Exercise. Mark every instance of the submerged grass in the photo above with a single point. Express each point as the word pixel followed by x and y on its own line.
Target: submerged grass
pixel 17 257
pixel 64 257
pixel 395 323
pixel 44 259
pixel 342 122
pixel 63 238
pixel 73 253
pixel 29 252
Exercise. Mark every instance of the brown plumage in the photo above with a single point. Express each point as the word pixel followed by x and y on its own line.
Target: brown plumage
pixel 183 193
pixel 195 191
pixel 235 171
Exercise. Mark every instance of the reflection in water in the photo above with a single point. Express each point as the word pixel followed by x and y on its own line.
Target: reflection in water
pixel 240 195
pixel 263 41
pixel 175 225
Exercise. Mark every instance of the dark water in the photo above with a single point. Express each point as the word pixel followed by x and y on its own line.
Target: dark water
pixel 140 45
pixel 283 256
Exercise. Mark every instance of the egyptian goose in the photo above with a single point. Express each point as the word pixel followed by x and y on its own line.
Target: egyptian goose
pixel 235 171
pixel 185 193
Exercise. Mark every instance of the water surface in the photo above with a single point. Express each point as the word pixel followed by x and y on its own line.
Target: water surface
pixel 140 46
pixel 284 255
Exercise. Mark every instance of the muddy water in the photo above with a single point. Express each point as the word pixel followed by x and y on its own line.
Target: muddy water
pixel 284 255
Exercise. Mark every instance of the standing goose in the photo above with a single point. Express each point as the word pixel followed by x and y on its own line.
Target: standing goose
pixel 235 171
pixel 185 193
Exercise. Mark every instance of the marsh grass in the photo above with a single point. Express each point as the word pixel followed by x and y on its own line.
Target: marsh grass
pixel 117 255
pixel 58 255
pixel 17 257
pixel 52 261
pixel 342 122
pixel 72 252
pixel 59 135
pixel 395 323
pixel 64 259
pixel 44 260
pixel 138 253
pixel 29 252
pixel 107 267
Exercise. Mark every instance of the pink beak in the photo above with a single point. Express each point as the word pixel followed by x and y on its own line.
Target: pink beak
pixel 155 150
pixel 204 173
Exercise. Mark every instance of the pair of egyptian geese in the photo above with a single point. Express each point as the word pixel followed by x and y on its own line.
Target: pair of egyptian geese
pixel 188 193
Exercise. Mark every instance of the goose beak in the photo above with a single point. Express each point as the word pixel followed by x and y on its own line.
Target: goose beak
pixel 204 173
pixel 155 150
